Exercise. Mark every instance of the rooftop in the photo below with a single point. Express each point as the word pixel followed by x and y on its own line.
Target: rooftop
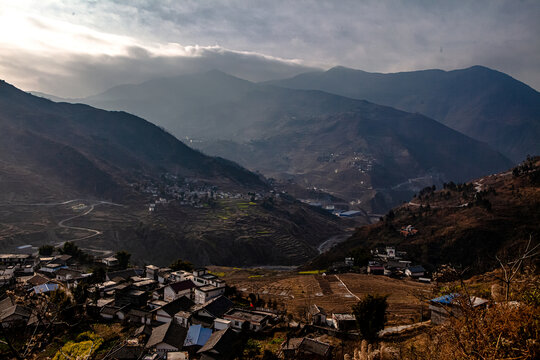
pixel 169 333
pixel 182 285
pixel 181 304
pixel 14 256
pixel 245 315
pixel 39 289
pixel 453 299
pixel 209 288
pixel 197 336
pixel 344 317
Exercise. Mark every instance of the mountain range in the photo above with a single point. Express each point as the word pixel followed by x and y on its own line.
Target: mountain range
pixel 361 152
pixel 482 103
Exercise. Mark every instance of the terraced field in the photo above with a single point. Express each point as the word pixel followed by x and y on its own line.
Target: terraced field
pixel 334 293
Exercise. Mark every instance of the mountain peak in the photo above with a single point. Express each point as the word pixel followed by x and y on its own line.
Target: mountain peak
pixel 340 68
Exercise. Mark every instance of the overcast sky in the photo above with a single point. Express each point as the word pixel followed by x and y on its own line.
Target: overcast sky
pixel 80 47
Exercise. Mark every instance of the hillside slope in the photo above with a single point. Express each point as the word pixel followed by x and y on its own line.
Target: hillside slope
pixel 59 161
pixel 482 103
pixel 60 149
pixel 466 224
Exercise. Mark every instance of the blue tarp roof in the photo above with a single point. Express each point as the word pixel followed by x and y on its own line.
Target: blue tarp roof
pixel 197 335
pixel 445 299
pixel 45 288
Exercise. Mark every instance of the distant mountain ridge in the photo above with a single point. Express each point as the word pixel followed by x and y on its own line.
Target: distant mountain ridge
pixel 286 133
pixel 484 104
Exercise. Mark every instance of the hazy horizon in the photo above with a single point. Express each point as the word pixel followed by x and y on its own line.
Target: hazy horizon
pixel 80 48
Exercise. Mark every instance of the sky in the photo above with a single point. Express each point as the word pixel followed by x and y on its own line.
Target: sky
pixel 78 48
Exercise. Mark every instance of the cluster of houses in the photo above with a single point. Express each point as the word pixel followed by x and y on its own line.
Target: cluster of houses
pixel 331 208
pixel 390 262
pixel 188 192
pixel 178 314
pixel 182 314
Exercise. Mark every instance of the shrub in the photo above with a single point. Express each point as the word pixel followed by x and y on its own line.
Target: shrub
pixel 370 315
pixel 46 250
pixel 87 344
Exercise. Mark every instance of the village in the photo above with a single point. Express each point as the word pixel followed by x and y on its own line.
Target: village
pixel 187 192
pixel 180 312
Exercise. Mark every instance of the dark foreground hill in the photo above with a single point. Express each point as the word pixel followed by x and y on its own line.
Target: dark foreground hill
pixel 484 104
pixel 372 155
pixel 466 225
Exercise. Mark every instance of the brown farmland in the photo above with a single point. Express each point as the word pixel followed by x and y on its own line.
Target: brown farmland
pixel 334 293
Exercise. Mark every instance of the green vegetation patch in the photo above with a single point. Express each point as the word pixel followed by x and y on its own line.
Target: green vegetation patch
pixel 87 343
pixel 311 272
pixel 217 273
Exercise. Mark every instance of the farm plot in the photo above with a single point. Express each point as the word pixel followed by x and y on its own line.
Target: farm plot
pixel 338 293
pixel 403 303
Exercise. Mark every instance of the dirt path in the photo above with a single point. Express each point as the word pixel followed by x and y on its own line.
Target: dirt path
pixel 92 231
pixel 346 288
pixel 61 223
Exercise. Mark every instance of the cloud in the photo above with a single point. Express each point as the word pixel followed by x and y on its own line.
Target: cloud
pixel 259 40
pixel 74 61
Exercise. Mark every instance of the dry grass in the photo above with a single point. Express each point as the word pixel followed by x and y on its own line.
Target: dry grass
pixel 501 332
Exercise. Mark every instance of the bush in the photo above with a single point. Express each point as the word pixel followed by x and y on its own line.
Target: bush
pixel 370 315
pixel 46 250
pixel 87 344
pixel 123 258
pixel 181 265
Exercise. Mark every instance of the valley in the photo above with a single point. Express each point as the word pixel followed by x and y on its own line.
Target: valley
pixel 175 200
pixel 360 152
pixel 269 180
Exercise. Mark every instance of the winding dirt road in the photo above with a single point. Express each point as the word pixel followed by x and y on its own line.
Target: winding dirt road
pixel 92 231
pixel 61 223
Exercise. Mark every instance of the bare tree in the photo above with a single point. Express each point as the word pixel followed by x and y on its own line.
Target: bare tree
pixel 512 268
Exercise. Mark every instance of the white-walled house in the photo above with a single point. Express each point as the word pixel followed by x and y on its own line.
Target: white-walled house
pixel 237 317
pixel 178 289
pixel 221 324
pixel 166 312
pixel 415 271
pixel 207 293
pixel 110 261
pixel 181 275
pixel 152 271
